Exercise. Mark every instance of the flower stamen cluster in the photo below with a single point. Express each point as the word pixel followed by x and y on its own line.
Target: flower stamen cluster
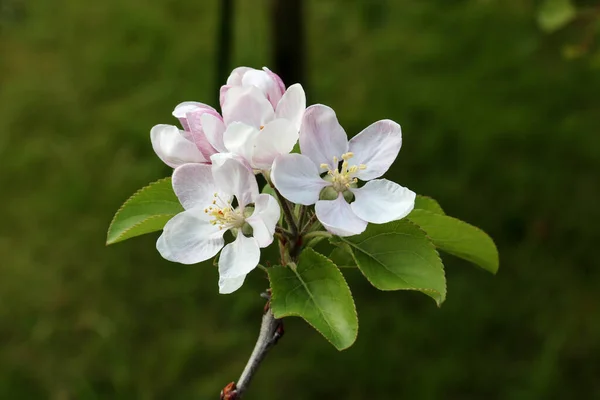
pixel 343 178
pixel 223 214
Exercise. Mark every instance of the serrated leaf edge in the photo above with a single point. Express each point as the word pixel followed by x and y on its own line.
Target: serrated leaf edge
pixel 497 253
pixel 136 193
pixel 119 238
pixel 294 314
pixel 443 295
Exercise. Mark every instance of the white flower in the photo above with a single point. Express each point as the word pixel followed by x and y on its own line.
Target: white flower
pixel 330 167
pixel 269 83
pixel 207 194
pixel 190 145
pixel 261 120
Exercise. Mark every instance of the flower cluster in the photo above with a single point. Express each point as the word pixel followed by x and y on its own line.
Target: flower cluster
pixel 216 156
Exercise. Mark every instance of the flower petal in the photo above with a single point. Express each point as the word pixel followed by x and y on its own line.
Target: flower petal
pixel 297 179
pixel 278 137
pixel 232 177
pixel 239 139
pixel 213 130
pixel 264 218
pixel 292 105
pixel 264 81
pixel 223 94
pixel 377 147
pixel 171 146
pixel 194 122
pixel 338 218
pixel 321 136
pixel 235 78
pixel 194 185
pixel 182 109
pixel 380 201
pixel 247 105
pixel 230 285
pixel 239 257
pixel 189 238
pixel 275 78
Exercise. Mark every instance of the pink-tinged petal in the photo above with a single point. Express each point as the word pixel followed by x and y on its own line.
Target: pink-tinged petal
pixel 263 81
pixel 321 136
pixel 171 146
pixel 377 147
pixel 338 218
pixel 230 285
pixel 213 130
pixel 275 78
pixel 247 105
pixel 181 110
pixel 223 94
pixel 278 137
pixel 297 179
pixel 292 105
pixel 235 78
pixel 194 185
pixel 239 257
pixel 194 121
pixel 264 218
pixel 239 139
pixel 232 177
pixel 380 201
pixel 190 238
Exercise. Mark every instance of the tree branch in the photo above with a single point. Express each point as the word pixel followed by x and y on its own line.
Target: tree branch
pixel 271 330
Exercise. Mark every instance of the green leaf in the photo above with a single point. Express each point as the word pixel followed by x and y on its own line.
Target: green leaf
pixel 429 204
pixel 458 238
pixel 342 256
pixel 398 256
pixel 555 14
pixel 148 210
pixel 316 291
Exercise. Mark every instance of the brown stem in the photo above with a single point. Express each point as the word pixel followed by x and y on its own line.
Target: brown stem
pixel 271 330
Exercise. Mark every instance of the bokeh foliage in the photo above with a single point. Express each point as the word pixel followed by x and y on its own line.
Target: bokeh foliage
pixel 498 127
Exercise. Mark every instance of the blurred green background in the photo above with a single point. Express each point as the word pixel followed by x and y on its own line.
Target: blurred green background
pixel 498 126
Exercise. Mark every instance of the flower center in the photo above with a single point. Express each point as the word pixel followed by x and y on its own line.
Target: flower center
pixel 224 215
pixel 343 177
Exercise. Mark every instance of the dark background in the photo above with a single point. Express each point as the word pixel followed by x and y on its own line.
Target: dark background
pixel 498 126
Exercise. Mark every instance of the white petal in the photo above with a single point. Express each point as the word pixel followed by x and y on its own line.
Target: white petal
pixel 248 105
pixel 213 130
pixel 232 177
pixel 230 285
pixel 263 219
pixel 239 257
pixel 276 78
pixel 194 123
pixel 263 80
pixel 239 139
pixel 170 144
pixel 235 78
pixel 377 147
pixel 297 179
pixel 278 137
pixel 338 218
pixel 380 201
pixel 321 136
pixel 189 238
pixel 194 185
pixel 292 105
pixel 182 109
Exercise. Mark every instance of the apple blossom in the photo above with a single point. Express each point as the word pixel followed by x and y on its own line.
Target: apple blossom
pixel 267 81
pixel 327 172
pixel 207 194
pixel 190 145
pixel 255 130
